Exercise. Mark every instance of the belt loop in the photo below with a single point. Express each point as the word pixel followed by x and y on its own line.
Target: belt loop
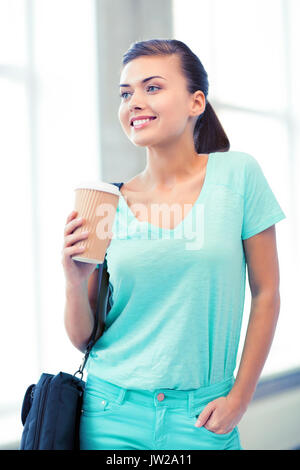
pixel 190 403
pixel 121 396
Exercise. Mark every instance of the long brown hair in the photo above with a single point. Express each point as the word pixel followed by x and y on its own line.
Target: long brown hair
pixel 209 135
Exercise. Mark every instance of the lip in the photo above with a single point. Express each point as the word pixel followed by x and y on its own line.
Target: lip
pixel 135 118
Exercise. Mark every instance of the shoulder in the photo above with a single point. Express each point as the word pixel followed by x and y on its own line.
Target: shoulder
pixel 235 159
pixel 132 185
pixel 231 169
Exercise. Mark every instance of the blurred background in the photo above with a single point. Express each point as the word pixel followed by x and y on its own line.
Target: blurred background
pixel 60 64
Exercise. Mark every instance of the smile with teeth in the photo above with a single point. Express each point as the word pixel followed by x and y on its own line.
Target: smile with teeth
pixel 141 122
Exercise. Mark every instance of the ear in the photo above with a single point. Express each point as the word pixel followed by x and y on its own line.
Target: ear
pixel 198 103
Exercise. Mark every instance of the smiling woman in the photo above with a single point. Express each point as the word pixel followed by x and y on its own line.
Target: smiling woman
pixel 168 86
pixel 161 375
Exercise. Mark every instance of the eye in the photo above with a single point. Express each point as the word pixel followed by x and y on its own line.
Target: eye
pixel 122 94
pixel 154 86
pixel 127 92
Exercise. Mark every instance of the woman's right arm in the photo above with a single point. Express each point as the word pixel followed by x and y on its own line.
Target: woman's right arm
pixel 80 289
pixel 79 317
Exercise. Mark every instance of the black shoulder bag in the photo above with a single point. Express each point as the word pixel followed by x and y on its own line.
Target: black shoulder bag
pixel 51 408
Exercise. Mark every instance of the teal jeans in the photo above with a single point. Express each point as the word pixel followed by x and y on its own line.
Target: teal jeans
pixel 114 417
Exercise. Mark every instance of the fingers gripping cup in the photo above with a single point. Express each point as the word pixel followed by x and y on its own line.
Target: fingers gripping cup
pixel 97 204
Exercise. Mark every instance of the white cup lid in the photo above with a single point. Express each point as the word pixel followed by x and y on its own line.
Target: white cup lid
pixel 99 186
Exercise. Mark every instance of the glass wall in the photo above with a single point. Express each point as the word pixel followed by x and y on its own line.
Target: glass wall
pixel 49 142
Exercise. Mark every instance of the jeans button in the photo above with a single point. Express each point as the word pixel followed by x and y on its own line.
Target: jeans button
pixel 161 396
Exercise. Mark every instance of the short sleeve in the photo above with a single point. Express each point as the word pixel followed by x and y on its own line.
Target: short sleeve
pixel 261 208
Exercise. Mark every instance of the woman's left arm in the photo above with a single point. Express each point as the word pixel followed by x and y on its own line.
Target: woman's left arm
pixel 223 414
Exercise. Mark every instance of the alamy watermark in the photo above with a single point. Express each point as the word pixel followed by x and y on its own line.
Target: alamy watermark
pixel 188 222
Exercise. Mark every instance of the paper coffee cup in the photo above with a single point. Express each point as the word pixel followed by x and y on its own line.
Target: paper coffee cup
pixel 97 203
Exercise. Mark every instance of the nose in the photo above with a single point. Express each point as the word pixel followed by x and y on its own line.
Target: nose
pixel 134 102
pixel 134 105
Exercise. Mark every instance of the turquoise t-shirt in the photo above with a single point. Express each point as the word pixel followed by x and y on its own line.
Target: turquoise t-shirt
pixel 178 295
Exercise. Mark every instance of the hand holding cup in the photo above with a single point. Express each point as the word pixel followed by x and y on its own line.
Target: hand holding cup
pixel 75 272
pixel 85 247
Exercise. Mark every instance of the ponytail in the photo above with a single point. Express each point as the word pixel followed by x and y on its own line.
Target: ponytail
pixel 209 135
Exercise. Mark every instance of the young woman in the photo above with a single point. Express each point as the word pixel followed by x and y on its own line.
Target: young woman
pixel 161 375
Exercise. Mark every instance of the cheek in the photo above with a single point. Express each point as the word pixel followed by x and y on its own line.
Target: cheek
pixel 172 113
pixel 123 117
pixel 173 123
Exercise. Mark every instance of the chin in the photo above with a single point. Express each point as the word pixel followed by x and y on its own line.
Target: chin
pixel 141 143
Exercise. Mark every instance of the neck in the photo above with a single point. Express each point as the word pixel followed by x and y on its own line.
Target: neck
pixel 172 166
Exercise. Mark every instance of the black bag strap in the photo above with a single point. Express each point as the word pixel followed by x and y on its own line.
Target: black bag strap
pixel 101 308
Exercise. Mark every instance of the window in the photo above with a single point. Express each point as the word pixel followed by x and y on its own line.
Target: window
pixel 49 143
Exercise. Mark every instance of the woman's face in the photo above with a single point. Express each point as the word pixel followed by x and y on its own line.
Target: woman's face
pixel 166 99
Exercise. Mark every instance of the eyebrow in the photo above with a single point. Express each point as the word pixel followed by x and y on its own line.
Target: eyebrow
pixel 145 80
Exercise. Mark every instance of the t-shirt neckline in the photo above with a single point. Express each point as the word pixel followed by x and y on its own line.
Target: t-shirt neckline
pixel 203 191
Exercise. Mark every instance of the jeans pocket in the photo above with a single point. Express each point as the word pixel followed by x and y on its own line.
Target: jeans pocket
pixel 98 404
pixel 196 412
